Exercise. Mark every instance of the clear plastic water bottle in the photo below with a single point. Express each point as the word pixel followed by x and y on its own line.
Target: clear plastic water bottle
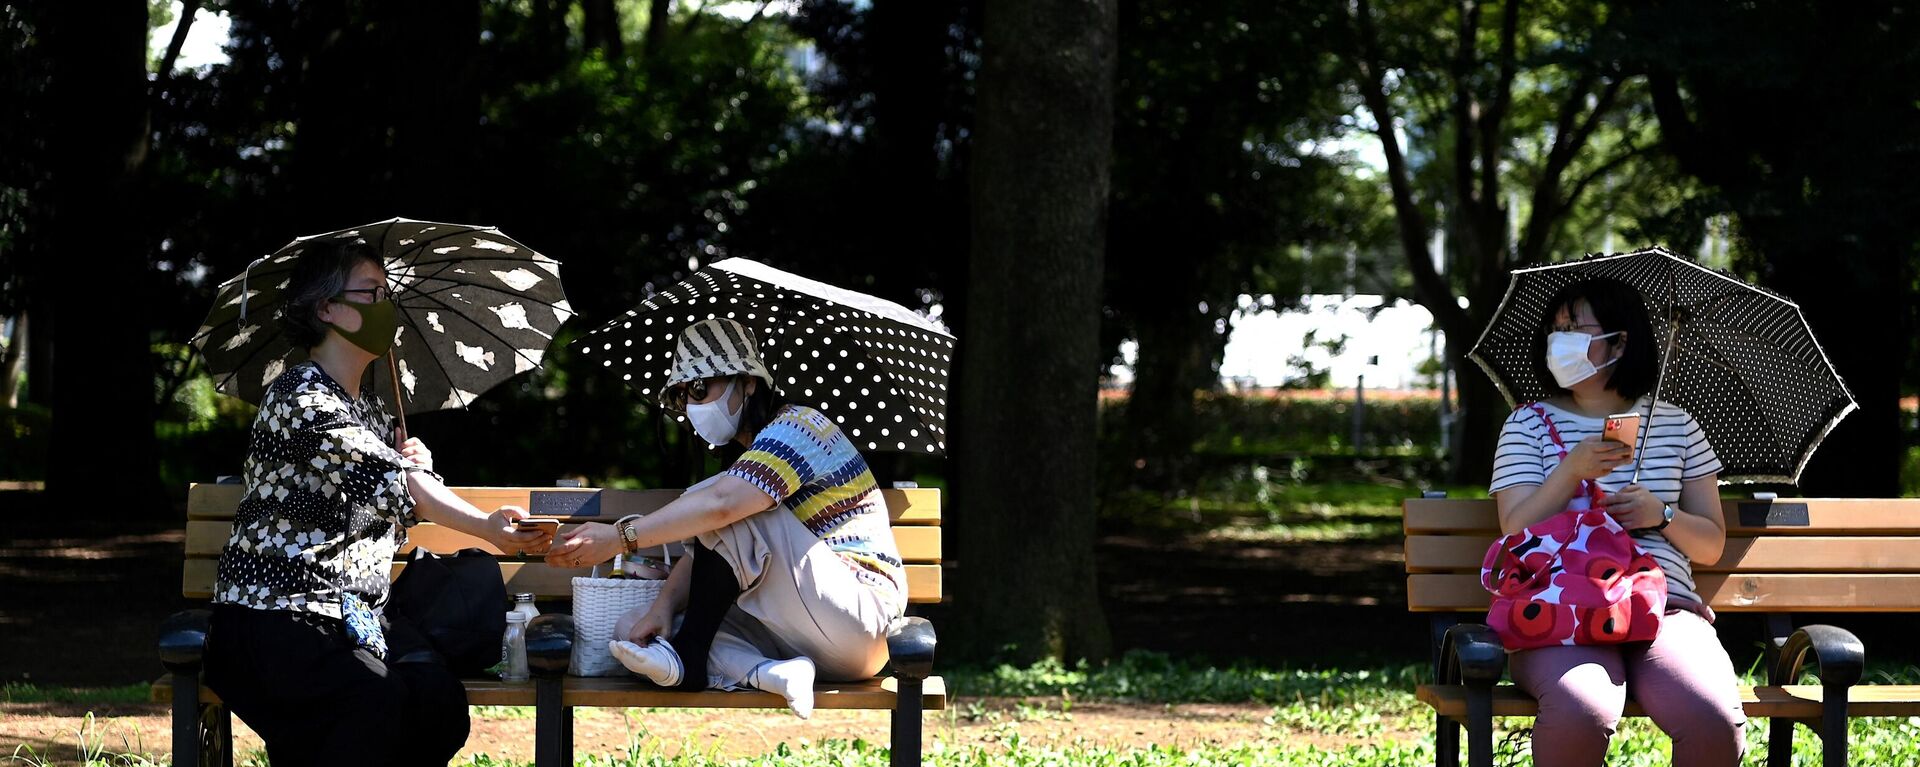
pixel 515 645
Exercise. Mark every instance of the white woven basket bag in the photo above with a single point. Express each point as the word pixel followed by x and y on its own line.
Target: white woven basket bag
pixel 598 604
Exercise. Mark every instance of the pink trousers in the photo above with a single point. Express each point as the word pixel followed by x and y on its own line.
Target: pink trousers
pixel 1683 680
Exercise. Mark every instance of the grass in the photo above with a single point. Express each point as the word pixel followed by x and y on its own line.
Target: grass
pixel 23 692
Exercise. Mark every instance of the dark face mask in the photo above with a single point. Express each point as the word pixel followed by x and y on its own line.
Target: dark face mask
pixel 378 320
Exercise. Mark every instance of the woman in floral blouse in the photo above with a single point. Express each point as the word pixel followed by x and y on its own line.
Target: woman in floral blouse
pixel 297 648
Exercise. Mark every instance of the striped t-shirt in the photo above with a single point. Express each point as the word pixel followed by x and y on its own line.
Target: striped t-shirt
pixel 1673 451
pixel 806 464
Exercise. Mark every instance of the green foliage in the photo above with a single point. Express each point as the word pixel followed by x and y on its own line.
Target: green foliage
pixel 1150 677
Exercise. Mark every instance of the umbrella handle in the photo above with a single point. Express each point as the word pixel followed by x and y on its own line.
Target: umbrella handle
pixel 399 407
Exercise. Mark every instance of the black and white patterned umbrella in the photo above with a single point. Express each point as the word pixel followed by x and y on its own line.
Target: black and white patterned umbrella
pixel 874 366
pixel 476 308
pixel 1740 358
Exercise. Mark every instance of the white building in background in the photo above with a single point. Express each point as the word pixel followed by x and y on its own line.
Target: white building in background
pixel 1386 344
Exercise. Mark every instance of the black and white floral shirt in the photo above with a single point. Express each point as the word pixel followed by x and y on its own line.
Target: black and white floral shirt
pixel 327 503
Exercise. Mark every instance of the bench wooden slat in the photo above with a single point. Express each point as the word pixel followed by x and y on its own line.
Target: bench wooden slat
pixel 1767 554
pixel 1789 701
pixel 618 692
pixel 910 506
pixel 1785 516
pixel 924 582
pixel 205 538
pixel 1752 592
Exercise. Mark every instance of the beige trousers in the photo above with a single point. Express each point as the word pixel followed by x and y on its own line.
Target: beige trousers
pixel 797 599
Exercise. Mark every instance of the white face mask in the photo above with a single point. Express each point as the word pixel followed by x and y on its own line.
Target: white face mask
pixel 712 421
pixel 1567 357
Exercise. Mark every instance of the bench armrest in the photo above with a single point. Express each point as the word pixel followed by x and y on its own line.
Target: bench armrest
pixel 910 643
pixel 183 640
pixel 1838 656
pixel 1471 654
pixel 550 644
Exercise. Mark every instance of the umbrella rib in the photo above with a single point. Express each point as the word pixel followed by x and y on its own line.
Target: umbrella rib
pixel 484 329
pixel 453 283
pixel 452 390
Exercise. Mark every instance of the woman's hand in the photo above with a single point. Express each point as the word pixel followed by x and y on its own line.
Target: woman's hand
pixel 586 545
pixel 1634 508
pixel 416 451
pixel 502 533
pixel 641 626
pixel 1594 458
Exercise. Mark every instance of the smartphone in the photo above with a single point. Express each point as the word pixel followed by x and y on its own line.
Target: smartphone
pixel 1623 428
pixel 539 524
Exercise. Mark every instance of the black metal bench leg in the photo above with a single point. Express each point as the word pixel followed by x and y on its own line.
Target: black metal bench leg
pixel 1780 742
pixel 186 719
pixel 1833 726
pixel 553 724
pixel 1479 726
pixel 906 723
pixel 221 730
pixel 1446 741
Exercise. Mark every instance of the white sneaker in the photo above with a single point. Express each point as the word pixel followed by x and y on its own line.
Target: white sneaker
pixel 791 679
pixel 657 662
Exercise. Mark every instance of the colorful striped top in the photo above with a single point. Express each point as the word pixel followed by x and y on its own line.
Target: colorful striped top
pixel 804 462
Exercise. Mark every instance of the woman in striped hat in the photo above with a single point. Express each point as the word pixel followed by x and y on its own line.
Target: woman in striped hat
pixel 793 533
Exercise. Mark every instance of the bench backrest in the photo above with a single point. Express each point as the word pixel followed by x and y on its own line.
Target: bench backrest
pixel 1784 555
pixel 915 513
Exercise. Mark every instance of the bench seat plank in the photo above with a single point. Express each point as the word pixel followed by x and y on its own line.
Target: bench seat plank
pixel 1769 554
pixel 1752 592
pixel 620 692
pixel 905 506
pixel 924 582
pixel 1787 516
pixel 1797 701
pixel 206 537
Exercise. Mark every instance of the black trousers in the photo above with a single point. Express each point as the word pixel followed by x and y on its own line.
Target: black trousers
pixel 316 699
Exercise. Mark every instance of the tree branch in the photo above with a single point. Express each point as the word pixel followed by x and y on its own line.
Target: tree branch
pixel 1493 119
pixel 1430 289
pixel 1580 185
pixel 188 8
pixel 1463 112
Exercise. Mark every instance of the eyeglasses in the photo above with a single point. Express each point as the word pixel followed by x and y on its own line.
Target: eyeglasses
pixel 677 396
pixel 375 294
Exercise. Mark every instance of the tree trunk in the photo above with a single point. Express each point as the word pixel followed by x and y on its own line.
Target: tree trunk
pixel 15 363
pixel 103 403
pixel 1854 302
pixel 600 27
pixel 659 15
pixel 1175 359
pixel 1028 388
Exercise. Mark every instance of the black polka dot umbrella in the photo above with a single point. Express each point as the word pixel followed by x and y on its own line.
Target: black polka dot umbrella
pixel 476 308
pixel 876 368
pixel 1740 358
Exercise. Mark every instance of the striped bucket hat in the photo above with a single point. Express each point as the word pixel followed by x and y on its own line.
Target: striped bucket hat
pixel 714 347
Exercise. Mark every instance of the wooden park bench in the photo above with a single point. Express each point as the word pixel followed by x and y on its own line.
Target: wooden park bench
pixel 202 732
pixel 1783 556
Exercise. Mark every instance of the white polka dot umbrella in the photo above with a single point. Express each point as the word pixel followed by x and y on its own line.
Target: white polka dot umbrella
pixel 1740 358
pixel 876 368
pixel 476 308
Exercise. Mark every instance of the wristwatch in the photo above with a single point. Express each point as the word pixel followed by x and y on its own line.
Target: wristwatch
pixel 629 536
pixel 1666 517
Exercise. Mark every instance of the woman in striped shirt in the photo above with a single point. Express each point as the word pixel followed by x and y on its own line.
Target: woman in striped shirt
pixel 1683 679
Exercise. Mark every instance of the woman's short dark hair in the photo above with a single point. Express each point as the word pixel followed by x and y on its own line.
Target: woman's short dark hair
pixel 761 407
pixel 1618 308
pixel 318 276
